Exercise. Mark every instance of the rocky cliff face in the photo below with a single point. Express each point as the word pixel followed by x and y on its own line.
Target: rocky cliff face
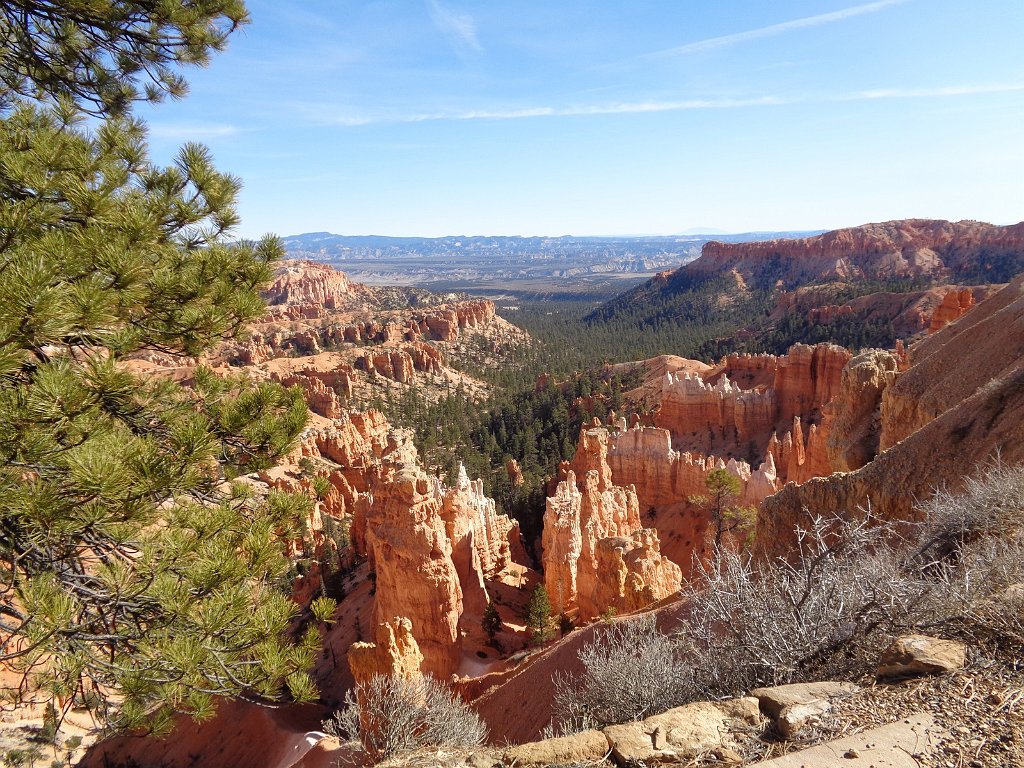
pixel 433 549
pixel 954 305
pixel 707 417
pixel 416 576
pixel 307 283
pixel 643 457
pixel 894 249
pixel 739 409
pixel 632 574
pixel 959 403
pixel 666 480
pixel 401 364
pixel 586 509
pixel 855 432
pixel 393 653
pixel 346 343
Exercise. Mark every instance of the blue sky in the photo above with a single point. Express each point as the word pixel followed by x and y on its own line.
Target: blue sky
pixel 550 117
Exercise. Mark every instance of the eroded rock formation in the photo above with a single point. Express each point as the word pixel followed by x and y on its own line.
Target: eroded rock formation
pixel 393 653
pixel 958 405
pixel 893 249
pixel 632 574
pixel 739 409
pixel 433 549
pixel 955 304
pixel 855 430
pixel 306 283
pixel 586 509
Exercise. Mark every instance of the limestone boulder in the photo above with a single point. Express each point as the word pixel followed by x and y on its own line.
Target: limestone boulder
pixel 583 747
pixel 793 706
pixel 918 655
pixel 683 732
pixel 896 745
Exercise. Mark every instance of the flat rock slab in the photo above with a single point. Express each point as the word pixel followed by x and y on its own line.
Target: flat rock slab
pixel 775 699
pixel 889 746
pixel 793 706
pixel 682 732
pixel 584 747
pixel 916 655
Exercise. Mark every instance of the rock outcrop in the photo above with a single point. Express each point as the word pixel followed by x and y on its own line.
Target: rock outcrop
pixel 299 283
pixel 893 249
pixel 739 409
pixel 326 380
pixel 643 457
pixel 793 706
pixel 416 577
pixel 955 304
pixel 856 418
pixel 917 655
pixel 683 733
pixel 586 510
pixel 401 364
pixel 432 549
pixel 579 515
pixel 707 417
pixel 959 404
pixel 393 653
pixel 631 574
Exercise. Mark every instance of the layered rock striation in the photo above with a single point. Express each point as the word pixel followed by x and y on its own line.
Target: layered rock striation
pixel 433 548
pixel 588 521
pixel 958 406
pixel 597 554
pixel 893 249
pixel 740 409
pixel 299 283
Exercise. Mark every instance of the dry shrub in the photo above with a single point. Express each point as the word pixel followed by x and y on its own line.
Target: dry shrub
pixel 824 612
pixel 631 670
pixel 401 715
pixel 818 614
pixel 975 538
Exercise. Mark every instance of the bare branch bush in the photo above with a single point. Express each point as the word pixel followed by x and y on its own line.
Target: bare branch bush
pixel 630 670
pixel 975 538
pixel 816 613
pixel 824 612
pixel 391 714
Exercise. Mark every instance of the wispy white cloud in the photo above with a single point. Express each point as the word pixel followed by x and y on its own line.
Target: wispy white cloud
pixel 772 30
pixel 459 28
pixel 926 93
pixel 330 114
pixel 192 131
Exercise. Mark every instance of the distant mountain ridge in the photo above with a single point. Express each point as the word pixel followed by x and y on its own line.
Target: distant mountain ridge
pixel 766 295
pixel 963 251
pixel 329 241
pixel 465 262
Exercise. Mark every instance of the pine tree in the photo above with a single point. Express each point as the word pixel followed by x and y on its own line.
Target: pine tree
pixel 491 622
pixel 722 505
pixel 538 616
pixel 95 53
pixel 135 577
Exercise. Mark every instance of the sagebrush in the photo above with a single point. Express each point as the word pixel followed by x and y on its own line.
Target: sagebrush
pixel 826 611
pixel 391 714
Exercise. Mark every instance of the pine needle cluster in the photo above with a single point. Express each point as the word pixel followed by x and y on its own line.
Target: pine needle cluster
pixel 135 577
